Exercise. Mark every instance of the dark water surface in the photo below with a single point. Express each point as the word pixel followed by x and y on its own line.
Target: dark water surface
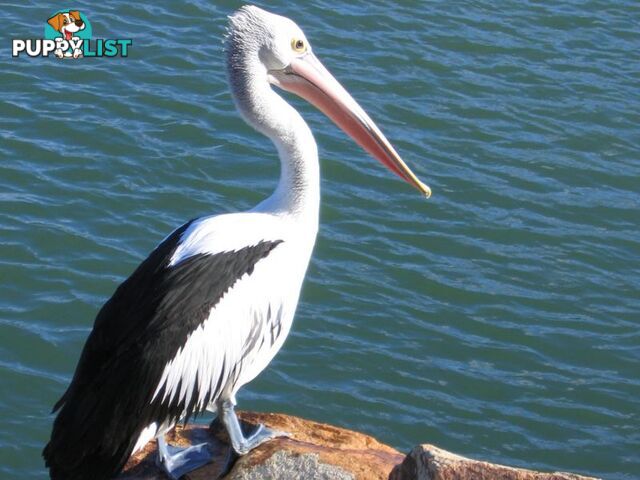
pixel 498 319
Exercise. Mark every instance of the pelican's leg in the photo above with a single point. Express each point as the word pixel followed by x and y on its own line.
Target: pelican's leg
pixel 177 461
pixel 240 444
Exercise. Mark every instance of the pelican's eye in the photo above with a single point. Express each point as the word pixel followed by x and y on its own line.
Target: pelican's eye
pixel 298 45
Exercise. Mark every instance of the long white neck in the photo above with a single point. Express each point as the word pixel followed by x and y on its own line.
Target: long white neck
pixel 298 191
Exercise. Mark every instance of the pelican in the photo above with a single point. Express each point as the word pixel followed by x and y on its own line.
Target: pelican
pixel 210 307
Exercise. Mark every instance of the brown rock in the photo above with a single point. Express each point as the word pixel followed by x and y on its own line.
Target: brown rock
pixel 351 454
pixel 427 462
pixel 317 451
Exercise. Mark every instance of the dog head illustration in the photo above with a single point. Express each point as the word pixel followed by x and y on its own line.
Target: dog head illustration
pixel 67 23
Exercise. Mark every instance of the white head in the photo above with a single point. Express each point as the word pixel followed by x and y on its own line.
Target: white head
pixel 265 49
pixel 271 40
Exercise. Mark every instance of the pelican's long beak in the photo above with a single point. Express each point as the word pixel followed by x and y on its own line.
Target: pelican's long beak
pixel 308 78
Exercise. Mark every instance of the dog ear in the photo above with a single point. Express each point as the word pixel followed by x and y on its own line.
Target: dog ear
pixel 75 14
pixel 56 21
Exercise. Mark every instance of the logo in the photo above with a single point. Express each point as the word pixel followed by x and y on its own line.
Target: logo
pixel 67 34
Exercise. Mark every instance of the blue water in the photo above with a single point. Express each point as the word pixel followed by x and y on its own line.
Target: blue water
pixel 499 319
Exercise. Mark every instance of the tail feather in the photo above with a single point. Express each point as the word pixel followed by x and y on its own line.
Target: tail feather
pixel 93 434
pixel 80 449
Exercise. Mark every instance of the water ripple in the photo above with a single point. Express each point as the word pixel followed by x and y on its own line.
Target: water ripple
pixel 499 319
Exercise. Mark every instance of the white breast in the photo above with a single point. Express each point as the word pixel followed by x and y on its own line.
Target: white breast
pixel 247 327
